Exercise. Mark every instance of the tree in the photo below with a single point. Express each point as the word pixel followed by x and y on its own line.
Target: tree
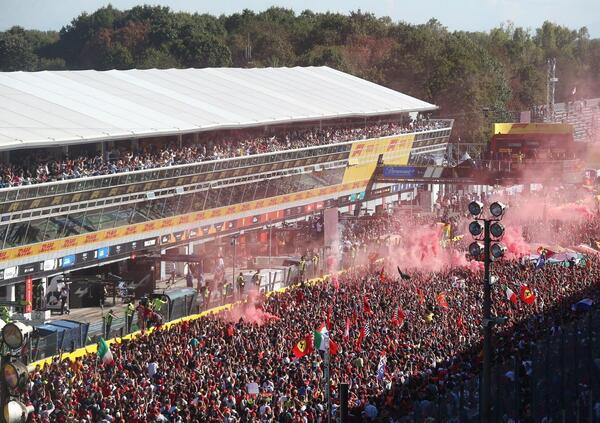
pixel 16 52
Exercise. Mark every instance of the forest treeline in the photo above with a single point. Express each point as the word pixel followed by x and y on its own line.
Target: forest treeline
pixel 462 72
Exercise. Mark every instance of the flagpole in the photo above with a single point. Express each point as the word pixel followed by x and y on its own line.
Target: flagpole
pixel 328 381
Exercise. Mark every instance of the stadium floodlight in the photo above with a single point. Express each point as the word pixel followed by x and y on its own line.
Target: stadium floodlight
pixel 15 411
pixel 476 228
pixel 475 208
pixel 15 375
pixel 497 250
pixel 497 230
pixel 476 249
pixel 497 209
pixel 14 334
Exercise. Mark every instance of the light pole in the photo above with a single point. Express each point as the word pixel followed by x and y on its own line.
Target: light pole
pixel 490 231
pixel 14 373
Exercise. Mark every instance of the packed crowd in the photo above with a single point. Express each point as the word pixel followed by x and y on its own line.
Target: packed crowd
pixel 427 324
pixel 35 169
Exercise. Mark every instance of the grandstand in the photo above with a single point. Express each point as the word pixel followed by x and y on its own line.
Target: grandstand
pixel 584 115
pixel 97 166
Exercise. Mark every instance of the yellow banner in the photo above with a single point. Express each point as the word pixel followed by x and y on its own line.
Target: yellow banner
pixel 532 128
pixel 364 155
pixel 196 217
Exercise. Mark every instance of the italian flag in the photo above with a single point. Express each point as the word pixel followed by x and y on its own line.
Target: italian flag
pixel 322 341
pixel 104 353
pixel 511 296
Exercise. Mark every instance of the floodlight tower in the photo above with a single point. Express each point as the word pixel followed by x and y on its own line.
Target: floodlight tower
pixel 13 374
pixel 490 231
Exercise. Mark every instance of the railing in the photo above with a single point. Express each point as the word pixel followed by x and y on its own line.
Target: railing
pixel 558 382
pixel 175 171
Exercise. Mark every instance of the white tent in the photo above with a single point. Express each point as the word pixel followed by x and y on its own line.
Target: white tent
pixel 59 107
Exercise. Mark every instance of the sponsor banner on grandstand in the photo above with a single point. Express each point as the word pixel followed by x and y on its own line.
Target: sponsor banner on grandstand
pixel 150 242
pixel 118 249
pixel 27 269
pixel 101 253
pixel 173 238
pixel 532 128
pixel 365 154
pixel 9 273
pixel 85 257
pixel 403 172
pixel 381 191
pixel 111 235
pixel 67 261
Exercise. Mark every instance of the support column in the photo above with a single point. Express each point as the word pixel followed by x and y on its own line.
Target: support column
pixel 43 290
pixel 163 267
pixel 11 296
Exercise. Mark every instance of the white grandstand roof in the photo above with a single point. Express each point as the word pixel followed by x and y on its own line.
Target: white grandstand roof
pixel 51 108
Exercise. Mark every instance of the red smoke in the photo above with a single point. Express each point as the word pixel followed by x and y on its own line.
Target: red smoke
pixel 516 246
pixel 421 250
pixel 249 312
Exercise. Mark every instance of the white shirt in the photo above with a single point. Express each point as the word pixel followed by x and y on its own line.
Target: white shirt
pixel 152 369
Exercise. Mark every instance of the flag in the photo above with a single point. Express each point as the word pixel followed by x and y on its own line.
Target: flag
pixel 367 329
pixel 347 331
pixel 527 295
pixel 441 300
pixel 402 275
pixel 303 347
pixel 574 90
pixel 382 275
pixel 511 296
pixel 399 319
pixel 540 262
pixel 421 296
pixel 381 367
pixel 367 307
pixel 361 337
pixel 322 341
pixel 583 305
pixel 104 353
pixel 545 252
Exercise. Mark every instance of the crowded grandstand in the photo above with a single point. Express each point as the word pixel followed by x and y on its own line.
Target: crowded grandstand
pixel 212 248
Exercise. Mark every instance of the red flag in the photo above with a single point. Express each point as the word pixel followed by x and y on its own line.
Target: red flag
pixel 421 296
pixel 303 347
pixel 382 275
pixel 333 347
pixel 527 295
pixel 441 300
pixel 367 307
pixel 361 337
pixel 400 316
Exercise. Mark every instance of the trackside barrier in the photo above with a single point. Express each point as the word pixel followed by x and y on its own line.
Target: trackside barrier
pixel 92 349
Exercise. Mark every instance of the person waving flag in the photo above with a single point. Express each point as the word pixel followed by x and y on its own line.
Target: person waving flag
pixel 527 295
pixel 381 367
